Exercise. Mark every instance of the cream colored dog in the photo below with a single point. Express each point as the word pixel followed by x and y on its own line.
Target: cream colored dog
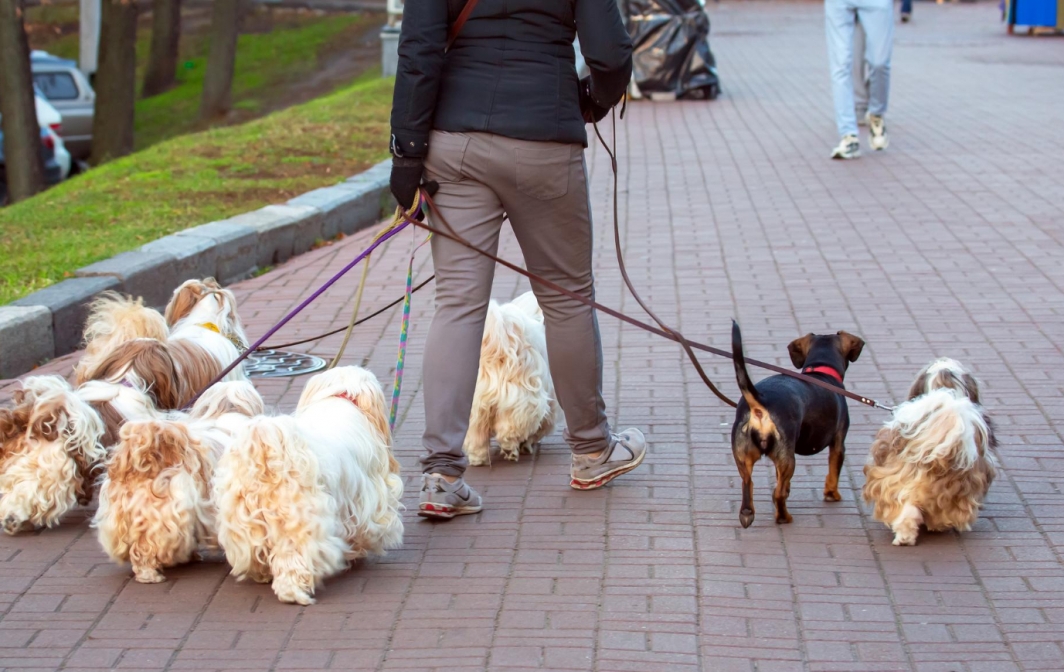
pixel 932 463
pixel 514 399
pixel 300 496
pixel 155 500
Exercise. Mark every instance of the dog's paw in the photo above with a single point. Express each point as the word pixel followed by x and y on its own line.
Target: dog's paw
pixel 784 519
pixel 510 455
pixel 148 575
pixel 478 459
pixel 292 594
pixel 746 518
pixel 904 540
pixel 832 496
pixel 528 448
pixel 12 525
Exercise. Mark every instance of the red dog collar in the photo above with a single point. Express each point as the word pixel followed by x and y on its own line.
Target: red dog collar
pixel 826 370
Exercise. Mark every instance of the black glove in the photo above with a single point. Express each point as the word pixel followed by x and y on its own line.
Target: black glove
pixel 589 109
pixel 407 174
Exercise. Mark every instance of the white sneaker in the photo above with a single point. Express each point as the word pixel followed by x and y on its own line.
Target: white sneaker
pixel 877 133
pixel 849 148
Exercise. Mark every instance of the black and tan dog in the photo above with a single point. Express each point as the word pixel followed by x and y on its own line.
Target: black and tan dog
pixel 783 415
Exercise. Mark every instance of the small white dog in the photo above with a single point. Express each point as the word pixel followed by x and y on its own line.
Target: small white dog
pixel 114 319
pixel 155 500
pixel 51 468
pixel 206 336
pixel 514 399
pixel 53 464
pixel 933 462
pixel 300 496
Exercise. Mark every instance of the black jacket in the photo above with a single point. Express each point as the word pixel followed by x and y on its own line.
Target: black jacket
pixel 510 72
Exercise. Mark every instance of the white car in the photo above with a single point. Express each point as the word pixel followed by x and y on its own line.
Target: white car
pixel 51 122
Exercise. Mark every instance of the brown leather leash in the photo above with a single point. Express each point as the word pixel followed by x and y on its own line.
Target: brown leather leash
pixel 449 234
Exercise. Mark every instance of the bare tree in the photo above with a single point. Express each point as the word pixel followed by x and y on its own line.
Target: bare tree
pixel 116 81
pixel 22 135
pixel 165 40
pixel 218 80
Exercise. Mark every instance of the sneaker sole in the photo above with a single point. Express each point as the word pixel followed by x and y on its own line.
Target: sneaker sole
pixel 444 512
pixel 845 157
pixel 881 147
pixel 596 483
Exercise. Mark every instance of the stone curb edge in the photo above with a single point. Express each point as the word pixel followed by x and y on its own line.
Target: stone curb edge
pixel 49 323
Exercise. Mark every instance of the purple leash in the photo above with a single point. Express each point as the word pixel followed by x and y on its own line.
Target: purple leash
pixel 398 225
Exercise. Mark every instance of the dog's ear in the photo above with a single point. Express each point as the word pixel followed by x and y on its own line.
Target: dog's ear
pixel 799 349
pixel 851 346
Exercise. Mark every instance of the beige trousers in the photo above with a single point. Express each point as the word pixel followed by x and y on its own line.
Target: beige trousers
pixel 542 188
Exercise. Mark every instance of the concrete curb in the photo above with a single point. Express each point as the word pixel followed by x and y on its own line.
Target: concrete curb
pixel 49 323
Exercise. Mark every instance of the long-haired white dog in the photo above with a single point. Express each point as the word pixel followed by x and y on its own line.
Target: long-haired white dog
pixel 514 399
pixel 115 319
pixel 933 462
pixel 205 337
pixel 300 496
pixel 155 506
pixel 51 468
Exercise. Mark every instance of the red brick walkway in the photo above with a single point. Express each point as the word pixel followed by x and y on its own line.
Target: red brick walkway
pixel 949 243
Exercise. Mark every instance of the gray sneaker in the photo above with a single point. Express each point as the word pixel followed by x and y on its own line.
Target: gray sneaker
pixel 625 453
pixel 443 500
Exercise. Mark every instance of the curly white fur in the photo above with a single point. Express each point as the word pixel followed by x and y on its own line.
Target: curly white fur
pixel 155 501
pixel 53 469
pixel 197 307
pixel 514 399
pixel 114 319
pixel 932 463
pixel 300 496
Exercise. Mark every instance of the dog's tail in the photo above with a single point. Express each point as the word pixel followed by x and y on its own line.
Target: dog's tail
pixel 760 425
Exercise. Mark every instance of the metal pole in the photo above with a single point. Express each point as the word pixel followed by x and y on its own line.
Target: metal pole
pixel 89 32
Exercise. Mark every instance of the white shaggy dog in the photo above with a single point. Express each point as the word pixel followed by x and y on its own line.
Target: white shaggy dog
pixel 206 336
pixel 50 469
pixel 932 463
pixel 53 465
pixel 155 500
pixel 300 496
pixel 114 319
pixel 514 399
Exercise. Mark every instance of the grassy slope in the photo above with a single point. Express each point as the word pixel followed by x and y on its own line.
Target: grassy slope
pixel 191 180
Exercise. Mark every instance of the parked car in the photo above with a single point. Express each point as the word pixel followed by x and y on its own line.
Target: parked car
pixel 52 171
pixel 69 91
pixel 49 119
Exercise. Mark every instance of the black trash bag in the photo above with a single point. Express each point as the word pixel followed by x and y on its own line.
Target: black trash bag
pixel 671 39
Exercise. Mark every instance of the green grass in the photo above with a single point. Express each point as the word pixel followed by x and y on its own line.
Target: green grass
pixel 264 60
pixel 191 180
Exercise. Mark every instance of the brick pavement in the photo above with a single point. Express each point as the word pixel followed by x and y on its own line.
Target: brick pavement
pixel 948 243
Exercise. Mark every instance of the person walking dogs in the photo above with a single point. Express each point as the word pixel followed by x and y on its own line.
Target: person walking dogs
pixel 877 21
pixel 496 123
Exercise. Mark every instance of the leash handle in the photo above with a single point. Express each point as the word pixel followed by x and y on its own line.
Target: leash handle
pixel 400 361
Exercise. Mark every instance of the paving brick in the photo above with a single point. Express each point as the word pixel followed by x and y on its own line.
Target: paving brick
pixel 948 243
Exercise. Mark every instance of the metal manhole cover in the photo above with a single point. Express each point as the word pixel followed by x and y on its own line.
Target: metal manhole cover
pixel 280 364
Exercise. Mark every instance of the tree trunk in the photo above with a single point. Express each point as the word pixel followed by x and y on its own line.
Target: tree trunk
pixel 22 135
pixel 218 80
pixel 165 40
pixel 116 81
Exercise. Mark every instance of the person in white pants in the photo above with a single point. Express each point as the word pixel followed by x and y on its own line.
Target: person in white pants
pixel 877 20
